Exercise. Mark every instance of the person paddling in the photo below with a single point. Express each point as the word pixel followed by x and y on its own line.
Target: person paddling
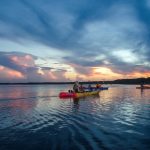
pixel 142 84
pixel 76 86
pixel 90 87
pixel 98 85
pixel 81 88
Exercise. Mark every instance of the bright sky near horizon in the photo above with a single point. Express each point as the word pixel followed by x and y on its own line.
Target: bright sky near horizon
pixel 68 40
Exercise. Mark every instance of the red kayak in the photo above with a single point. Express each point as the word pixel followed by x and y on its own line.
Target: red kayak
pixel 67 94
pixel 77 95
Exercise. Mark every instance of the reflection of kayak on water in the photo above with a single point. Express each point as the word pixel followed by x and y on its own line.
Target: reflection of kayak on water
pixel 144 87
pixel 76 95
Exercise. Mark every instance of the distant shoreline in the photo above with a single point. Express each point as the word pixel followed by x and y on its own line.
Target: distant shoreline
pixel 119 81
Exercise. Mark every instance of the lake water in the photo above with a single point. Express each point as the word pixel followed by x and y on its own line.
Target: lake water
pixel 33 117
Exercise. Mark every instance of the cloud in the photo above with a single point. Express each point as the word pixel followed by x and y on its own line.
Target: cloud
pixel 119 37
pixel 7 61
pixel 104 33
pixel 9 75
pixel 58 24
pixel 22 67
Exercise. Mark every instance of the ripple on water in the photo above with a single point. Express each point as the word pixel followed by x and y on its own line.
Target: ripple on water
pixel 117 118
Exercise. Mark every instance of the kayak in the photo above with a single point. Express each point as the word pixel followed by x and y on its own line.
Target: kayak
pixel 145 87
pixel 94 88
pixel 77 95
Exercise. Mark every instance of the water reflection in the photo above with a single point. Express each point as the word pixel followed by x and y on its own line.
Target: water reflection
pixel 76 104
pixel 17 98
pixel 33 114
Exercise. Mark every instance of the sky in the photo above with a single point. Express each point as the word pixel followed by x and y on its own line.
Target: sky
pixel 69 40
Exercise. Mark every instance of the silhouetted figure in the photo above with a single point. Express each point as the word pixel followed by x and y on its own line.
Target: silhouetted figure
pixel 98 85
pixel 90 87
pixel 142 84
pixel 76 86
pixel 81 88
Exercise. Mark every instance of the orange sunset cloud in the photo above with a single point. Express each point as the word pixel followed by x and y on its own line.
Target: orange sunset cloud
pixel 10 74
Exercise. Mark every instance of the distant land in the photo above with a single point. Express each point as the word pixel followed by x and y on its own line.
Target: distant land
pixel 119 81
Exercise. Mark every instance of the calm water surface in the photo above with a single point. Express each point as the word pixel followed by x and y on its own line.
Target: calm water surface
pixel 33 117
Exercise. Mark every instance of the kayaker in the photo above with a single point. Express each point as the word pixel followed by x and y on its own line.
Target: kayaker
pixel 90 87
pixel 98 85
pixel 76 86
pixel 142 84
pixel 81 88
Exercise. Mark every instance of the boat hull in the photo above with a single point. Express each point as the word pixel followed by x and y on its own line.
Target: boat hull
pixel 145 87
pixel 94 88
pixel 77 95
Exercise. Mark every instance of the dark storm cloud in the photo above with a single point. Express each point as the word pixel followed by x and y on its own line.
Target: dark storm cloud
pixel 118 66
pixel 50 68
pixel 83 62
pixel 86 28
pixel 39 20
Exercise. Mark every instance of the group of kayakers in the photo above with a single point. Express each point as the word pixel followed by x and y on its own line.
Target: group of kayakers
pixel 78 87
